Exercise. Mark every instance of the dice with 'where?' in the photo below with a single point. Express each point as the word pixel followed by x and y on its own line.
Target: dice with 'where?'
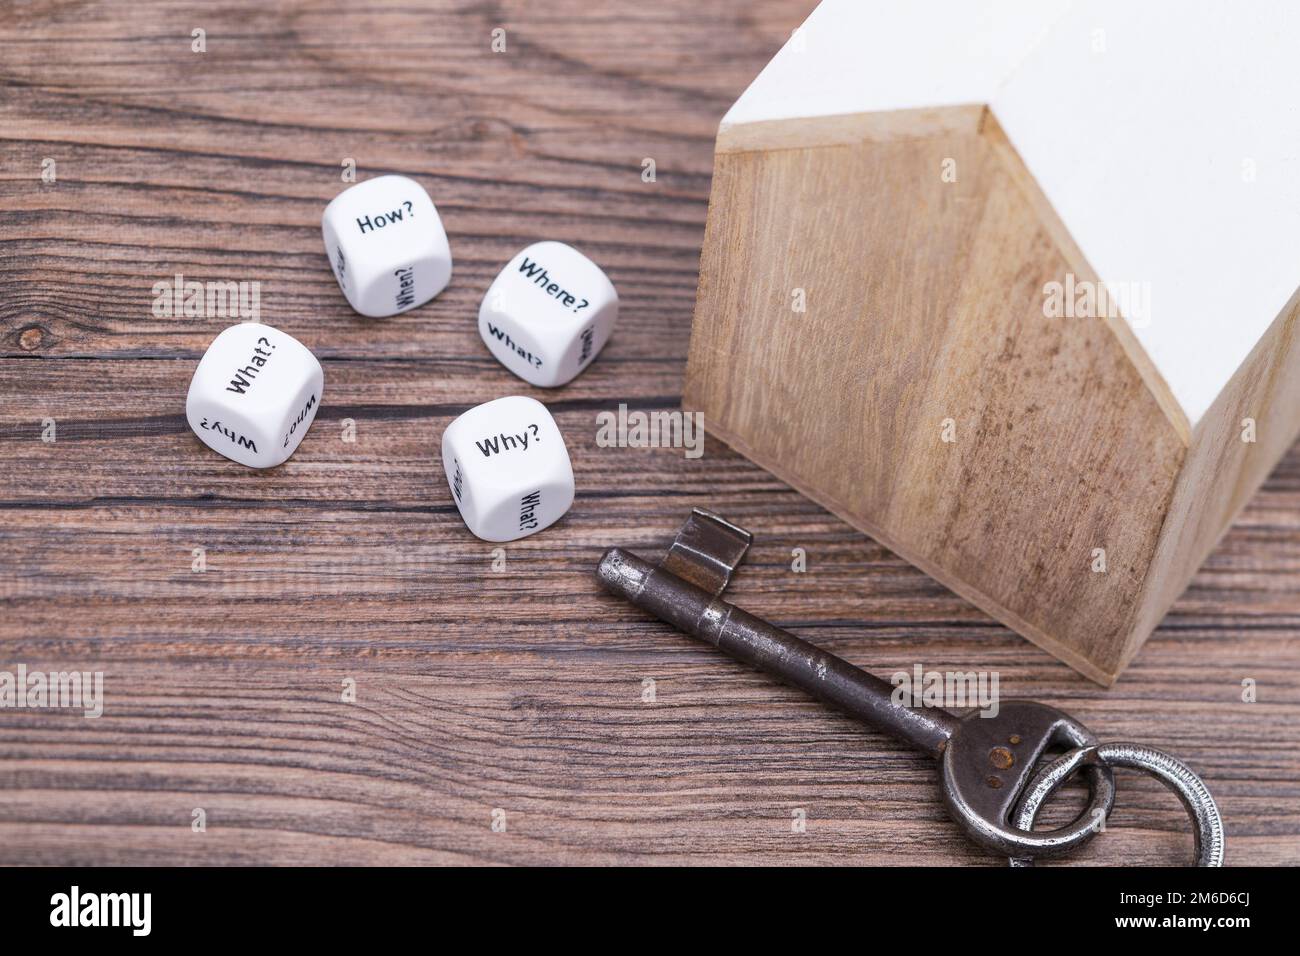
pixel 545 317
pixel 548 314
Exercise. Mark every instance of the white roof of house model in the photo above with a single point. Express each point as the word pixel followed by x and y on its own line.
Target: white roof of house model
pixel 1165 133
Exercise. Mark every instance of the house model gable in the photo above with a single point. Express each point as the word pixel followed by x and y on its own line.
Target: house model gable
pixel 1071 231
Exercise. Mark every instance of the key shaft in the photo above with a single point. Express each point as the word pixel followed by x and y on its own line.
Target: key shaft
pixel 832 679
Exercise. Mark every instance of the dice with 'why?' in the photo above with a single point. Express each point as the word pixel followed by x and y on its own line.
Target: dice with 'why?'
pixel 386 245
pixel 254 395
pixel 508 468
pixel 548 314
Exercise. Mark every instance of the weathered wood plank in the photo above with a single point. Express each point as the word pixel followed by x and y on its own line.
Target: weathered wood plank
pixel 477 689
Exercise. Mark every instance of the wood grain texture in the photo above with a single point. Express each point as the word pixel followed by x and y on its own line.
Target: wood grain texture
pixel 924 306
pixel 1223 469
pixel 871 327
pixel 520 689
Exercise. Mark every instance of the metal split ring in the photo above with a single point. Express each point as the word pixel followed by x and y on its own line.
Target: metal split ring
pixel 984 803
pixel 1173 773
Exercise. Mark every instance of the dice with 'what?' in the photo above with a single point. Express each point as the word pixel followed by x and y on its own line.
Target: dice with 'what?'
pixel 254 394
pixel 508 468
pixel 548 313
pixel 386 245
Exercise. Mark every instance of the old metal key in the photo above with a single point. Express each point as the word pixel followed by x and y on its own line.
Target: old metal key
pixel 986 762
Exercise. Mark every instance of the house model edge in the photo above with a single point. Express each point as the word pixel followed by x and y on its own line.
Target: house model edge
pixel 913 170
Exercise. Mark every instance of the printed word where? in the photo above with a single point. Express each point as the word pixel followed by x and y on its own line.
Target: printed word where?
pixel 542 279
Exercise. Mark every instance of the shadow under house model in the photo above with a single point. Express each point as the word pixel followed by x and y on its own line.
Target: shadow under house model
pixel 1012 287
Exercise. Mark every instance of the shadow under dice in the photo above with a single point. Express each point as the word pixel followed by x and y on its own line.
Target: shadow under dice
pixel 386 245
pixel 508 468
pixel 548 313
pixel 254 395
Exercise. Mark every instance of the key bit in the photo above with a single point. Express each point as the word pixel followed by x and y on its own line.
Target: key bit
pixel 985 764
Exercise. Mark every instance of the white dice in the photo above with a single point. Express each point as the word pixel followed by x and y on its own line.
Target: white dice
pixel 386 244
pixel 508 468
pixel 254 395
pixel 548 314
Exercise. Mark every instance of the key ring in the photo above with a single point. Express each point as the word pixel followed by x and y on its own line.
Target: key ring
pixel 1173 773
pixel 988 763
pixel 987 760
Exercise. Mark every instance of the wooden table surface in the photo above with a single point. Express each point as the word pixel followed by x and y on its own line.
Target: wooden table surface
pixel 515 694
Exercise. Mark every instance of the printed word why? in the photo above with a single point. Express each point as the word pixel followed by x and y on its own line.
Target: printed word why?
pixel 503 442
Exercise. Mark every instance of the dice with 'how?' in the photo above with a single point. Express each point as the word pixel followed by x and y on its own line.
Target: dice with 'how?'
pixel 254 394
pixel 508 468
pixel 386 245
pixel 548 313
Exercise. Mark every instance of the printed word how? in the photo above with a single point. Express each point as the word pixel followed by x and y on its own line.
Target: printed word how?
pixel 382 219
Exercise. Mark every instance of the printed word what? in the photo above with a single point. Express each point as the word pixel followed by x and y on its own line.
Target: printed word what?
pixel 273 392
pixel 238 383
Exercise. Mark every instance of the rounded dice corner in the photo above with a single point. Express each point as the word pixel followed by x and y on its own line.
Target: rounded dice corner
pixel 248 407
pixel 534 318
pixel 387 246
pixel 527 514
pixel 508 467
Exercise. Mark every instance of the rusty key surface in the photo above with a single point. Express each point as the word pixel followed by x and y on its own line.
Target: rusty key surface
pixel 986 762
